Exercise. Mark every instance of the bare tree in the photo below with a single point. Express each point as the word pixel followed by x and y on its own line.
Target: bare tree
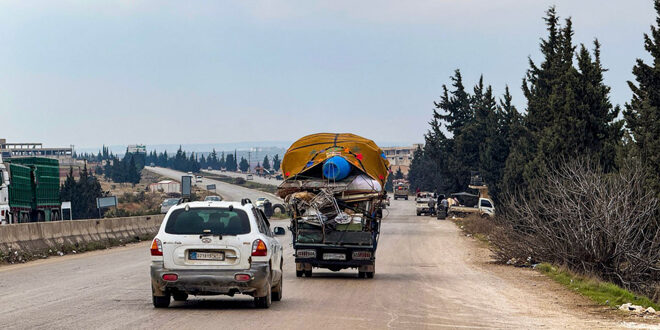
pixel 592 222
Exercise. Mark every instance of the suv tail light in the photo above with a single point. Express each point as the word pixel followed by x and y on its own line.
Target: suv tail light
pixel 156 248
pixel 259 248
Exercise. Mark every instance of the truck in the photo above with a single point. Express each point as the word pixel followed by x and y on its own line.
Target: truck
pixel 485 208
pixel 422 203
pixel 484 204
pixel 333 190
pixel 29 190
pixel 401 189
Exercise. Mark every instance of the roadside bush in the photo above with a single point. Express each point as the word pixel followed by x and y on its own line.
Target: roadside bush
pixel 593 223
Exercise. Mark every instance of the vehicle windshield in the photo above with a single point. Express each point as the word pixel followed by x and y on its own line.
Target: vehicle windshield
pixel 169 202
pixel 261 199
pixel 216 221
pixel 212 198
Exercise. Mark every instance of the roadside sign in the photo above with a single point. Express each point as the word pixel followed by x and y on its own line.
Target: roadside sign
pixel 210 187
pixel 104 202
pixel 186 186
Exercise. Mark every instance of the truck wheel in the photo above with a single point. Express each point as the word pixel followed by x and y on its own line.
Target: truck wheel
pixel 265 301
pixel 370 274
pixel 299 273
pixel 180 296
pixel 308 273
pixel 418 214
pixel 161 302
pixel 362 275
pixel 279 207
pixel 406 197
pixel 276 294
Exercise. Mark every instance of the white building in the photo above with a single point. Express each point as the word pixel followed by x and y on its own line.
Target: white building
pixel 137 149
pixel 401 157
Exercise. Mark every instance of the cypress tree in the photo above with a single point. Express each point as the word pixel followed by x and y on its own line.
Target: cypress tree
pixel 642 114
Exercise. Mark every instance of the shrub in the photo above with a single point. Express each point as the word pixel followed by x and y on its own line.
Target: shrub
pixel 589 221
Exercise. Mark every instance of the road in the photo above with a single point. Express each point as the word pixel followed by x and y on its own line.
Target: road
pixel 255 178
pixel 428 275
pixel 228 191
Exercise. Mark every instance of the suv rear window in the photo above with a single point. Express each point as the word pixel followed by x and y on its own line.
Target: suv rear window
pixel 219 221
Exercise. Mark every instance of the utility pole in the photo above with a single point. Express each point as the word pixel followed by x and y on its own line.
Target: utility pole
pixel 249 153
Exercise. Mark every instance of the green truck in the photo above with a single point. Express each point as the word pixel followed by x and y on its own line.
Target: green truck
pixel 29 190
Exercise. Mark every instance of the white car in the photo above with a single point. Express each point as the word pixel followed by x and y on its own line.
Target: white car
pixel 216 248
pixel 260 201
pixel 198 178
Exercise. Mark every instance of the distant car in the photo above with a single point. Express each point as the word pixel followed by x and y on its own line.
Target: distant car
pixel 249 177
pixel 152 165
pixel 167 204
pixel 260 201
pixel 224 249
pixel 198 178
pixel 213 199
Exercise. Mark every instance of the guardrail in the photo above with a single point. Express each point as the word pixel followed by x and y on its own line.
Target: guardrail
pixel 50 237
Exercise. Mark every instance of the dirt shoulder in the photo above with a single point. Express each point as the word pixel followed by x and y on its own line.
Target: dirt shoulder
pixel 550 297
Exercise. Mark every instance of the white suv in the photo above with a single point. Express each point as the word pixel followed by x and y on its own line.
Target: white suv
pixel 214 248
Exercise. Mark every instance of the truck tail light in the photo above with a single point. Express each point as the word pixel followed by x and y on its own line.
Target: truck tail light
pixel 259 248
pixel 156 248
pixel 361 255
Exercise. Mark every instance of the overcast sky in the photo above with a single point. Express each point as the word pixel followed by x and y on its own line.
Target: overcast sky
pixel 157 72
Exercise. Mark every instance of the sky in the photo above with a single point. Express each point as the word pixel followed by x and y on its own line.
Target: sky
pixel 88 73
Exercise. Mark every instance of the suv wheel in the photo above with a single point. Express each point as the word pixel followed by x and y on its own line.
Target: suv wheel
pixel 161 302
pixel 264 302
pixel 276 295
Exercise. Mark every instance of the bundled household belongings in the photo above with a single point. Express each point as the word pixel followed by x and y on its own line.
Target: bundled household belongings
pixel 333 189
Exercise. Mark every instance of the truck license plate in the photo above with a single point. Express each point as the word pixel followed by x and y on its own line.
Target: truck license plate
pixel 334 256
pixel 207 256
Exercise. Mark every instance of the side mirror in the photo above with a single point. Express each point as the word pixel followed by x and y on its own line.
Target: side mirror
pixel 279 231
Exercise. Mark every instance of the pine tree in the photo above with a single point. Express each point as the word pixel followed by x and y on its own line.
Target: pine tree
pixel 243 165
pixel 642 114
pixel 266 163
pixel 276 162
pixel 399 174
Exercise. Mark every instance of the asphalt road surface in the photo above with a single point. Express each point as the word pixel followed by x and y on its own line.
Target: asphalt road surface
pixel 428 275
pixel 255 178
pixel 228 191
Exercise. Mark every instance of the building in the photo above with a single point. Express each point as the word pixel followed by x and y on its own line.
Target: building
pixel 9 150
pixel 401 157
pixel 166 186
pixel 137 149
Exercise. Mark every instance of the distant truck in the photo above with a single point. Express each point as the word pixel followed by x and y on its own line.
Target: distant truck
pixel 401 189
pixel 29 190
pixel 422 203
pixel 485 208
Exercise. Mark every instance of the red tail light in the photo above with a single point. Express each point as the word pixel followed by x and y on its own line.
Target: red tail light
pixel 259 248
pixel 156 248
pixel 170 277
pixel 242 277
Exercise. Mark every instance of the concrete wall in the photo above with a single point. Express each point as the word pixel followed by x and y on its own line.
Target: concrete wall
pixel 43 236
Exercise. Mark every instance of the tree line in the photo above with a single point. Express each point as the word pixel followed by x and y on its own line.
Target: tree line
pixel 191 162
pixel 575 178
pixel 568 114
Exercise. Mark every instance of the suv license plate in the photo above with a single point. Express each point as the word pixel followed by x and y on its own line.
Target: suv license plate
pixel 207 256
pixel 334 256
